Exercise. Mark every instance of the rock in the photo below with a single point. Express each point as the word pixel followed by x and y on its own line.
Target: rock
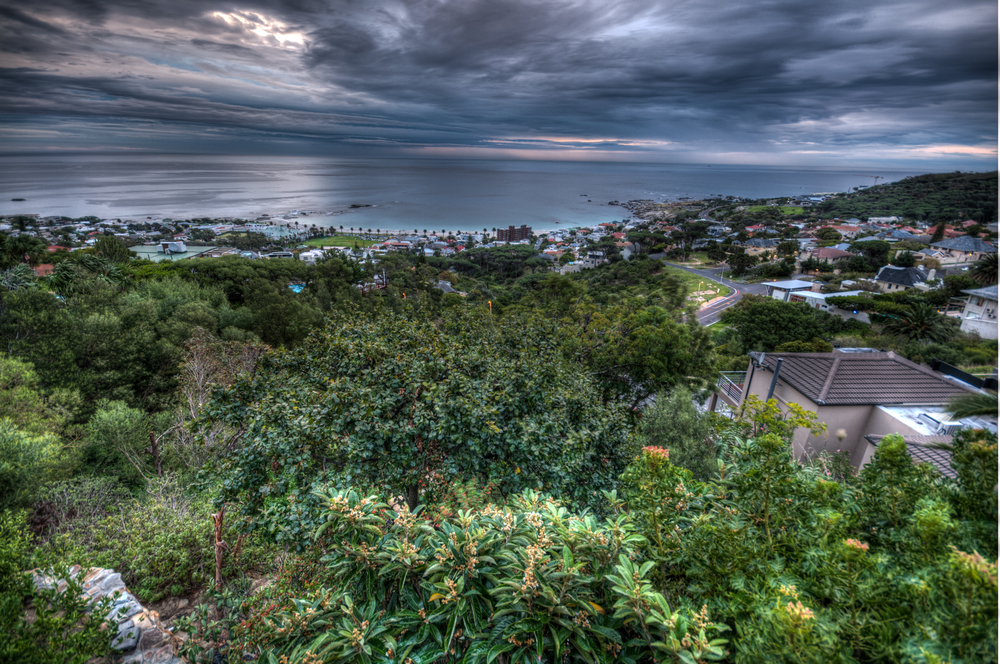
pixel 151 639
pixel 136 629
pixel 164 654
pixel 111 583
pixel 124 610
pixel 128 636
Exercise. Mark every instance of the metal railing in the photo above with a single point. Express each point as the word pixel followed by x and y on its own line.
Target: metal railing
pixel 731 383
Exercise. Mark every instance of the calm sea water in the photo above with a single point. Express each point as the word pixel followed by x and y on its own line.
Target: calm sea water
pixel 406 194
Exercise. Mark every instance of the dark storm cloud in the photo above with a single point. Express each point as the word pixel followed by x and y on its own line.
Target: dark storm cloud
pixel 713 80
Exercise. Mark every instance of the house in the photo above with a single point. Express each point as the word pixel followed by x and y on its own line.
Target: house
pixel 897 235
pixel 819 301
pixel 311 256
pixel 963 249
pixel 924 449
pixel 757 246
pixel 856 394
pixel 831 254
pixel 980 312
pixel 846 231
pixel 171 248
pixel 782 290
pixel 891 278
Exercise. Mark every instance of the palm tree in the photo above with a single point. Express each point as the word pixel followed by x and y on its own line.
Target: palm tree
pixel 984 271
pixel 921 322
pixel 973 405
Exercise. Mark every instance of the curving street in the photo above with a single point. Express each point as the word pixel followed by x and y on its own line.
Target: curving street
pixel 711 314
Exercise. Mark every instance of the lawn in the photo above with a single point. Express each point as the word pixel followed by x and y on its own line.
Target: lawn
pixel 339 241
pixel 786 209
pixel 695 283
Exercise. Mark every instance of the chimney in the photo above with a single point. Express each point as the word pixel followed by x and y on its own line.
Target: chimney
pixel 930 275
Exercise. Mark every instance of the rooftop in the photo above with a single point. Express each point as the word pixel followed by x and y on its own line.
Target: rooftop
pixel 787 285
pixel 966 243
pixel 863 379
pixel 990 292
pixel 904 276
pixel 919 451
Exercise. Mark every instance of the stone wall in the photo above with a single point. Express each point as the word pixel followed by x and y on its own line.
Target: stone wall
pixel 139 636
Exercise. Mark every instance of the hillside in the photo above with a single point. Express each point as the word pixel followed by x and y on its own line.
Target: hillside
pixel 932 197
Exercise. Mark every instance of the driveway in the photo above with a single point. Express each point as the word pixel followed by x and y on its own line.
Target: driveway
pixel 711 314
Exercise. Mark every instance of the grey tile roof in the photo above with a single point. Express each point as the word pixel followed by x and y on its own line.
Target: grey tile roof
pixel 917 446
pixel 904 276
pixel 863 379
pixel 898 234
pixel 990 292
pixel 966 243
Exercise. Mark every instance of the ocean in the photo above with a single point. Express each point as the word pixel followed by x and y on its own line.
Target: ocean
pixel 404 194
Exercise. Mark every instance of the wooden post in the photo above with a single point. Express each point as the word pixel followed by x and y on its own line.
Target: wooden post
pixel 219 545
pixel 154 451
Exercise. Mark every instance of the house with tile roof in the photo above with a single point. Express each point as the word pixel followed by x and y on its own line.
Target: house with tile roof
pixel 856 394
pixel 756 246
pixel 980 312
pixel 963 249
pixel 922 449
pixel 891 278
pixel 831 254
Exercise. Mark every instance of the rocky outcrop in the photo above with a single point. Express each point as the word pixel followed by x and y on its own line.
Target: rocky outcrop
pixel 138 633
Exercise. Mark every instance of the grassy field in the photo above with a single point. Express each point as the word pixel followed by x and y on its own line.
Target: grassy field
pixel 696 283
pixel 785 209
pixel 339 241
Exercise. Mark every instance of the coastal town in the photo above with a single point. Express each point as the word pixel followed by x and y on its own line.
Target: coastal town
pixel 838 340
pixel 775 240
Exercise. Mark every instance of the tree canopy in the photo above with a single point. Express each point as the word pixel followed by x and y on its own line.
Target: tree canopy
pixel 395 400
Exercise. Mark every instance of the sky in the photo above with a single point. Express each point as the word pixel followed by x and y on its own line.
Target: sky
pixel 911 84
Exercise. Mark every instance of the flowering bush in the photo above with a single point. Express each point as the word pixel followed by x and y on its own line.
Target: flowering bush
pixel 531 582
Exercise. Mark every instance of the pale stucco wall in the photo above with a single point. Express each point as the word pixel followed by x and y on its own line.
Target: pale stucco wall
pixel 856 421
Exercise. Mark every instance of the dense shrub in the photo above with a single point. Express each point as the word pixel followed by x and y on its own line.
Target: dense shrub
pixel 161 543
pixel 806 568
pixel 532 582
pixel 674 423
pixel 41 626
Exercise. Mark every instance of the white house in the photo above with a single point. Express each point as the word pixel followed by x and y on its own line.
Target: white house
pixel 782 290
pixel 980 313
pixel 819 301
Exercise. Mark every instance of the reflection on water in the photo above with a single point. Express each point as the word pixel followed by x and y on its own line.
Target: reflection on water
pixel 404 194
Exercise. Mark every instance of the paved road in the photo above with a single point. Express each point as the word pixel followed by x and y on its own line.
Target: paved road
pixel 711 314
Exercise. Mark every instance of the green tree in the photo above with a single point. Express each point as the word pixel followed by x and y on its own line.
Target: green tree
pixel 761 323
pixel 675 424
pixel 939 232
pixel 973 405
pixel 21 249
pixel 740 263
pixel 118 437
pixel 904 259
pixel 393 400
pixel 26 462
pixel 876 252
pixel 921 322
pixel 112 248
pixel 984 271
pixel 23 402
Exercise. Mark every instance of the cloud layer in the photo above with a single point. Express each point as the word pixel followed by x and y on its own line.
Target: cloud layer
pixel 712 81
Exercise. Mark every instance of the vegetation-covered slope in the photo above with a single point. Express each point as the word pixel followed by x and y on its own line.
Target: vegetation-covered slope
pixel 932 197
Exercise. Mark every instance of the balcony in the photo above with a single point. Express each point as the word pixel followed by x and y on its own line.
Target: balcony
pixel 731 385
